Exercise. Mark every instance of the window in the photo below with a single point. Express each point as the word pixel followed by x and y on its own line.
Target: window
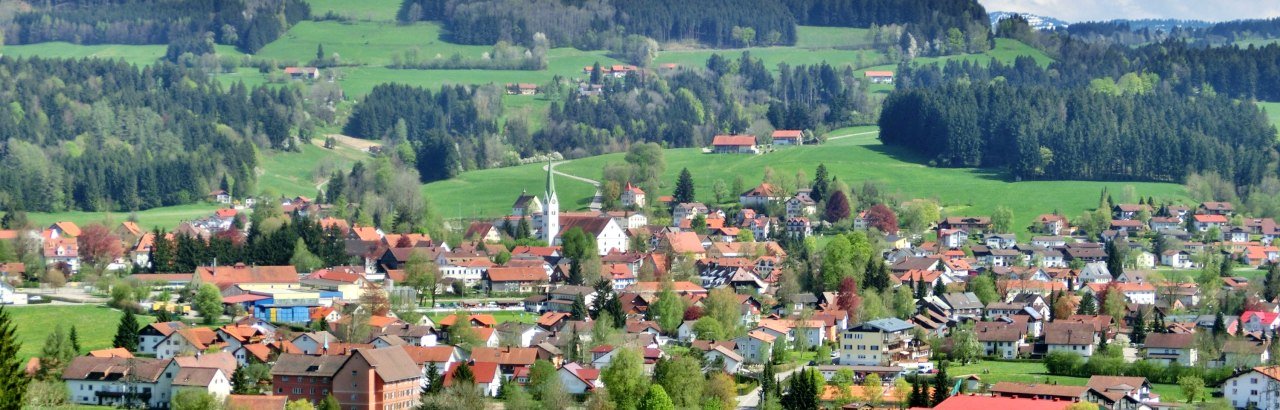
pixel 297 390
pixel 285 378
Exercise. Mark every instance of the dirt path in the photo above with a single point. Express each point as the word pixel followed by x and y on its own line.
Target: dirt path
pixel 595 200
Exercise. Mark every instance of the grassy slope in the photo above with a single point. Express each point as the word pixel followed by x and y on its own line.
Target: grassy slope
pixel 861 157
pixel 166 217
pixel 373 10
pixel 490 192
pixel 1273 112
pixel 133 54
pixel 292 174
pixel 1033 372
pixel 95 325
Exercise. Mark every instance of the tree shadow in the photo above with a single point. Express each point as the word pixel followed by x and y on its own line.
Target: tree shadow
pixel 903 154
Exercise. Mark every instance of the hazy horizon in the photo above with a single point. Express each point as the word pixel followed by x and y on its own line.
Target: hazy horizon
pixel 1101 10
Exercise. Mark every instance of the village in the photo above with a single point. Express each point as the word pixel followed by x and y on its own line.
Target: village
pixel 585 299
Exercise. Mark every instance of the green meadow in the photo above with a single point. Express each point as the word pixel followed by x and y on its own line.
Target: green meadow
pixel 95 325
pixel 132 54
pixel 1273 112
pixel 855 155
pixel 371 10
pixel 300 173
pixel 167 217
pixel 992 372
pixel 490 192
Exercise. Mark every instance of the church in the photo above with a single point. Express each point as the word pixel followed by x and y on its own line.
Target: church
pixel 551 224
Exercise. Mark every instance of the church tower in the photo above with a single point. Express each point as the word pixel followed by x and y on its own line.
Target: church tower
pixel 551 209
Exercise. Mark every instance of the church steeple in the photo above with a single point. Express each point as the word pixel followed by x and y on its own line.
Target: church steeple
pixel 551 212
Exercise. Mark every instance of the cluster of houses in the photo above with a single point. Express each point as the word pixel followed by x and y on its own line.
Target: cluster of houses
pixel 387 367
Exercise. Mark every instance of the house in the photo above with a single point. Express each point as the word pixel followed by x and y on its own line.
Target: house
pixel 302 73
pixel 879 77
pixel 632 197
pixel 208 373
pixel 972 224
pixel 10 296
pixel 522 89
pixel 305 377
pixel 608 235
pixel 1203 222
pixel 728 360
pixel 880 342
pixel 487 377
pixel 152 334
pixel 1044 392
pixel 1128 211
pixel 1000 240
pixel 755 346
pixel 761 196
pixel 1253 388
pixel 482 231
pixel 516 279
pixel 1003 340
pixel 186 341
pixel 1078 338
pixel 1051 224
pixel 798 227
pixel 952 238
pixel 526 205
pixel 97 381
pixel 220 196
pixel 1137 388
pixel 508 358
pixel 441 356
pixel 579 380
pixel 1177 259
pixel 62 252
pixel 413 334
pixel 268 277
pixel 385 378
pixel 1170 348
pixel 1257 321
pixel 801 204
pixel 346 281
pixel 734 144
pixel 1215 208
pixel 788 137
pixel 1243 353
pixel 255 402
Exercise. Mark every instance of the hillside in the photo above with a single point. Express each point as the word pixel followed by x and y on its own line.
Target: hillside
pixel 854 155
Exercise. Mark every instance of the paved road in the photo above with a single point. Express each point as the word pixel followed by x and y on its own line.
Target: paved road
pixel 752 399
pixel 851 135
pixel 595 200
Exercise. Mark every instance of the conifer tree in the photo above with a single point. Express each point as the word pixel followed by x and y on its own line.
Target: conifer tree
pixel 941 385
pixel 1139 334
pixel 578 311
pixel 684 192
pixel 127 332
pixel 75 340
pixel 13 379
pixel 821 185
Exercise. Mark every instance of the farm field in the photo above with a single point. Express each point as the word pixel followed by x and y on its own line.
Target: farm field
pixel 860 157
pixel 95 325
pixel 1035 372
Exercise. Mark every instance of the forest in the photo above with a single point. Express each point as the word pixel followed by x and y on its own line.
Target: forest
pixel 936 27
pixel 102 135
pixel 439 133
pixel 1082 133
pixel 688 108
pixel 247 24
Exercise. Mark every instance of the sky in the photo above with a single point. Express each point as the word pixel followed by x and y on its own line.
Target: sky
pixel 1096 10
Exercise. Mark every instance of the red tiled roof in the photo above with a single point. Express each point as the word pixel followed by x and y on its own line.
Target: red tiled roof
pixel 989 403
pixel 240 273
pixel 517 274
pixel 733 140
pixel 879 74
pixel 787 134
pixel 484 372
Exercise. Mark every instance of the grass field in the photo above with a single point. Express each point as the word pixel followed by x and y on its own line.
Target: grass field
pixel 166 217
pixel 1006 51
pixel 831 37
pixel 490 192
pixel 95 325
pixel 501 317
pixel 133 54
pixel 1034 372
pixel 860 157
pixel 1273 113
pixel 294 173
pixel 371 43
pixel 372 10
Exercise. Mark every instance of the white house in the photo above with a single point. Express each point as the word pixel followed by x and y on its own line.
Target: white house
pixel 761 196
pixel 608 234
pixel 101 381
pixel 1176 259
pixel 152 334
pixel 10 296
pixel 1254 389
pixel 579 380
pixel 730 360
pixel 632 196
pixel 755 346
pixel 312 342
pixel 1167 348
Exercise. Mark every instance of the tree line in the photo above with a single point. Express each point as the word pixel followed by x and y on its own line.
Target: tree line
pixel 441 133
pixel 595 24
pixel 247 25
pixel 1047 132
pixel 689 107
pixel 947 26
pixel 105 135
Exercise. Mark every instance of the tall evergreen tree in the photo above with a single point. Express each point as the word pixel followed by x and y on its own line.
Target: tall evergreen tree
pixel 1219 325
pixel 1115 258
pixel 941 385
pixel 1271 283
pixel 1139 334
pixel 127 332
pixel 578 311
pixel 1087 306
pixel 684 188
pixel 75 340
pixel 13 378
pixel 55 354
pixel 821 183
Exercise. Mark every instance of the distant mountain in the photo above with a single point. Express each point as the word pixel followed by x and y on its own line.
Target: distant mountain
pixel 1037 22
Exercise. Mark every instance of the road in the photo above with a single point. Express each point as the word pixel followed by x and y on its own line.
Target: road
pixel 752 399
pixel 851 135
pixel 595 200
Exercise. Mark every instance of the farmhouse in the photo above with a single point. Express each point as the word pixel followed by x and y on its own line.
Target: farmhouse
pixel 880 77
pixel 788 137
pixel 734 144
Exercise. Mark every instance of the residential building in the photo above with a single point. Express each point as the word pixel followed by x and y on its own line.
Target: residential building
pixel 880 342
pixel 734 144
pixel 1170 348
pixel 120 381
pixel 1253 388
